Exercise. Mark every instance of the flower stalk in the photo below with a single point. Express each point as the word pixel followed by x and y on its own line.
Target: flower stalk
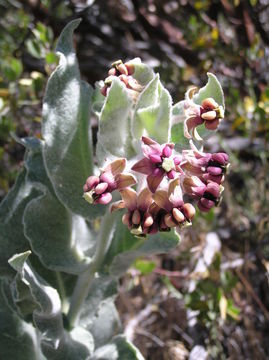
pixel 86 278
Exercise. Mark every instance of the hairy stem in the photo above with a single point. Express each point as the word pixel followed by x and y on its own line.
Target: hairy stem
pixel 85 279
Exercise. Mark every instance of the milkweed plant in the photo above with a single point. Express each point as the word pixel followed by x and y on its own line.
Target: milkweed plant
pixel 80 213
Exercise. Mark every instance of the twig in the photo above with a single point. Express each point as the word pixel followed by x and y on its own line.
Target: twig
pixel 250 289
pixel 171 273
pixel 152 337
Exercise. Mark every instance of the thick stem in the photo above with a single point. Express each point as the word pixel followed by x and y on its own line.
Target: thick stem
pixel 85 279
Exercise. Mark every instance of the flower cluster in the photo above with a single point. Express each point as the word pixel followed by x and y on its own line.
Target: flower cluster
pixel 209 113
pixel 124 72
pixel 98 189
pixel 166 175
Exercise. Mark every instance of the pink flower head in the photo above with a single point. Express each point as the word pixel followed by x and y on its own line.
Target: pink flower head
pixel 124 73
pixel 176 212
pixel 207 195
pixel 209 167
pixel 98 189
pixel 138 218
pixel 210 113
pixel 157 163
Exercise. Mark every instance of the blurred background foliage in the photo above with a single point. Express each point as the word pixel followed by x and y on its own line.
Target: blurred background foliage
pixel 210 298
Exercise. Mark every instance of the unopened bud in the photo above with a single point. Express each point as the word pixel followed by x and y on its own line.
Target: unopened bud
pixel 136 218
pixel 178 215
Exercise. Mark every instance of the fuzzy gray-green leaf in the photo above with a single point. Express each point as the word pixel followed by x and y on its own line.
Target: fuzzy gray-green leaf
pixel 212 89
pixel 114 127
pixel 56 343
pixel 65 128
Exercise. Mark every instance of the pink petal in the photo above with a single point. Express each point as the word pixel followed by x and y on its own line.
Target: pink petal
pixel 155 179
pixel 129 197
pixel 116 167
pixel 162 200
pixel 144 166
pixel 175 193
pixel 144 199
pixel 124 180
pixel 150 147
pixel 190 124
pixel 117 205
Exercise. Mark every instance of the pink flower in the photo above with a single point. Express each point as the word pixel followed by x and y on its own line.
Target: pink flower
pixel 207 195
pixel 157 163
pixel 210 113
pixel 176 213
pixel 138 218
pixel 209 167
pixel 98 189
